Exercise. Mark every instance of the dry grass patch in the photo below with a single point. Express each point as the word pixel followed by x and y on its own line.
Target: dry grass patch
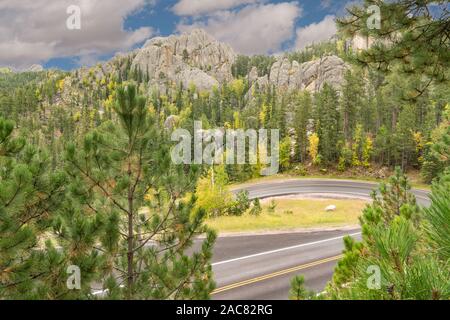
pixel 293 214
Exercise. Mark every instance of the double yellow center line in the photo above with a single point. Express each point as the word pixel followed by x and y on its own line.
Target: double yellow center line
pixel 276 274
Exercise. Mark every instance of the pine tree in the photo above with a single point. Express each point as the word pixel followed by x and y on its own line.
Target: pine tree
pixel 382 146
pixel 30 197
pixel 437 218
pixel 302 116
pixel 437 159
pixel 411 33
pixel 402 256
pixel 298 290
pixel 345 159
pixel 403 137
pixel 351 103
pixel 327 123
pixel 123 174
pixel 256 209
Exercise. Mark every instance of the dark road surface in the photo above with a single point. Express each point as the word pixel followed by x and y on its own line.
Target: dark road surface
pixel 253 267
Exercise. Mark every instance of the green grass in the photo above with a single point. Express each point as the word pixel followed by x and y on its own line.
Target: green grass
pixel 304 213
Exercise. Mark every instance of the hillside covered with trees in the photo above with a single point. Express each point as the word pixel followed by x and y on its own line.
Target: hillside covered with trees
pixel 86 172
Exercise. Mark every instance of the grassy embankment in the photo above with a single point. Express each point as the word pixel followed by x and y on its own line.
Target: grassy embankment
pixel 290 214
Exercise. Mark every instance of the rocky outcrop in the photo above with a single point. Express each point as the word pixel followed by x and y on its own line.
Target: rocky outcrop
pixel 171 122
pixel 253 75
pixel 360 42
pixel 32 68
pixel 202 80
pixel 310 76
pixel 35 68
pixel 194 57
pixel 329 69
pixel 197 58
pixel 280 73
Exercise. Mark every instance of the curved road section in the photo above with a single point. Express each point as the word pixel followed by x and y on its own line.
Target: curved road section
pixel 260 267
pixel 319 186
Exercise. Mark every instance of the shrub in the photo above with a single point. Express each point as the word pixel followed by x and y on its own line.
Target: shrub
pixel 240 205
pixel 272 206
pixel 256 210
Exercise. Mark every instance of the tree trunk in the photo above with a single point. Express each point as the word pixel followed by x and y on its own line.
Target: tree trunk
pixel 130 240
pixel 130 254
pixel 346 127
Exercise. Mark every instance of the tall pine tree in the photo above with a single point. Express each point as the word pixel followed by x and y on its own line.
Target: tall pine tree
pixel 123 173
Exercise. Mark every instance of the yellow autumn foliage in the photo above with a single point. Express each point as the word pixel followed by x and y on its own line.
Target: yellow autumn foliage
pixel 314 147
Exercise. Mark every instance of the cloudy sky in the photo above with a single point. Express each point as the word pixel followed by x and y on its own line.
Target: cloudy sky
pixel 35 31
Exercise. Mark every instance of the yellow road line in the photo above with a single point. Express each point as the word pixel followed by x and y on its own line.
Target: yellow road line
pixel 275 274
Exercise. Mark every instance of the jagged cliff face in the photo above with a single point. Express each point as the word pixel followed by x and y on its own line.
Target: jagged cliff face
pixel 199 59
pixel 195 58
pixel 32 68
pixel 35 68
pixel 310 76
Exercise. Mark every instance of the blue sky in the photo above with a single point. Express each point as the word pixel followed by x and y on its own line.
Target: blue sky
pixel 164 20
pixel 107 27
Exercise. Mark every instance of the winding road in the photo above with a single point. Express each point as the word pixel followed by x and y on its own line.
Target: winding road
pixel 260 267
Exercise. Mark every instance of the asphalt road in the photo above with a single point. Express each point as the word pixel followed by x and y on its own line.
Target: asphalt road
pixel 319 186
pixel 260 267
pixel 254 267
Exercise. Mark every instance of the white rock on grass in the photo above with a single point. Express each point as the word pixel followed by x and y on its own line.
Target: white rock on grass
pixel 330 208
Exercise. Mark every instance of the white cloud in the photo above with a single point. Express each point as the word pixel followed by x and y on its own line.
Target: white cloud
pixel 33 31
pixel 316 32
pixel 199 7
pixel 325 4
pixel 259 28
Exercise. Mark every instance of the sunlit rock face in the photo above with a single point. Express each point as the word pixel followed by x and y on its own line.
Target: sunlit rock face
pixel 360 42
pixel 35 68
pixel 191 58
pixel 196 58
pixel 311 76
